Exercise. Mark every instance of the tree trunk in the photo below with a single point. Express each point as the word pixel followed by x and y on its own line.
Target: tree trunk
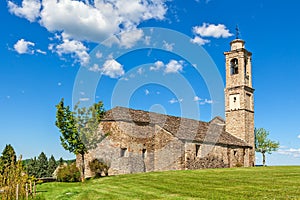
pixel 264 159
pixel 82 168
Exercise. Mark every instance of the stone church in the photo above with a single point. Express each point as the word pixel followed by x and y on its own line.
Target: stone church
pixel 141 141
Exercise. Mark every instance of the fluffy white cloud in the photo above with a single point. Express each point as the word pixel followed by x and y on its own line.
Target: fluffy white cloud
pixel 157 66
pixel 168 46
pixel 299 136
pixel 211 30
pixel 112 68
pixel 23 47
pixel 199 40
pixel 173 100
pixel 75 48
pixel 196 98
pixel 128 39
pixel 93 21
pixel 174 66
pixel 291 152
pixel 30 9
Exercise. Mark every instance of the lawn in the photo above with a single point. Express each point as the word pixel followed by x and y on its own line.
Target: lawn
pixel 234 183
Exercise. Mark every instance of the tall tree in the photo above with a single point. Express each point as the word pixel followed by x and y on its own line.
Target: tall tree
pixel 42 165
pixel 264 145
pixel 79 128
pixel 8 158
pixel 31 167
pixel 52 165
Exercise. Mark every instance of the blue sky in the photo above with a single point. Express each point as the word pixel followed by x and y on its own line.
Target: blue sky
pixel 48 51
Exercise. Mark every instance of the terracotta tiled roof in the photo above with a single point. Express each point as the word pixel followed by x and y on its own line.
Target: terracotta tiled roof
pixel 182 128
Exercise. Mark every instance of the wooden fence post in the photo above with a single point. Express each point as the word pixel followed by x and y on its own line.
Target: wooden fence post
pixel 34 186
pixel 17 192
pixel 26 188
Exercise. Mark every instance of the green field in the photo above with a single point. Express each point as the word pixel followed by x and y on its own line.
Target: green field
pixel 235 183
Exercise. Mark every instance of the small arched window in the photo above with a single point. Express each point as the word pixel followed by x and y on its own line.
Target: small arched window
pixel 234 66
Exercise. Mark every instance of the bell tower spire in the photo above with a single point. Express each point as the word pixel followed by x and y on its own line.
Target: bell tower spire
pixel 239 100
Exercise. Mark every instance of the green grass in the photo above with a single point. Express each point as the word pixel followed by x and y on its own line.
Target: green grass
pixel 235 183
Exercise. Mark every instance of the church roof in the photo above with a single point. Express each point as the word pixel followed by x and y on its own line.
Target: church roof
pixel 182 128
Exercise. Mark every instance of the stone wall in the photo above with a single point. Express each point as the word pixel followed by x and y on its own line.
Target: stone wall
pixel 146 147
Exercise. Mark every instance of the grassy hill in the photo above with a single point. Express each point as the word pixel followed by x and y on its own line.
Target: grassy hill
pixel 235 183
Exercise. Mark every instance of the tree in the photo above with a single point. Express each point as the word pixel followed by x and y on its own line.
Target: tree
pixel 52 165
pixel 31 167
pixel 8 158
pixel 263 144
pixel 42 165
pixel 79 128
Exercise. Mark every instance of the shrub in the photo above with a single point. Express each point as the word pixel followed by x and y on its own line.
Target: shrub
pixel 239 164
pixel 68 173
pixel 98 166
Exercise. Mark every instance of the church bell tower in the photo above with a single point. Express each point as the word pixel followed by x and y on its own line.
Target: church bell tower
pixel 239 100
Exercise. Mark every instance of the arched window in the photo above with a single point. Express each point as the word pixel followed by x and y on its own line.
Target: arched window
pixel 234 66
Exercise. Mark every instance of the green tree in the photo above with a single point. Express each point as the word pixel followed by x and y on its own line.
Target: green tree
pixel 264 145
pixel 79 128
pixel 42 165
pixel 31 167
pixel 8 158
pixel 52 165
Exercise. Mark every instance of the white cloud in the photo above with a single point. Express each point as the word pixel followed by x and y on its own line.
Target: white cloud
pixel 147 92
pixel 30 9
pixel 95 68
pixel 298 136
pixel 112 68
pixel 168 46
pixel 75 48
pixel 90 21
pixel 140 71
pixel 174 66
pixel 128 39
pixel 209 30
pixel 84 99
pixel 41 52
pixel 23 47
pixel 212 30
pixel 157 66
pixel 291 152
pixel 173 100
pixel 199 40
pixel 196 98
pixel 206 101
pixel 99 54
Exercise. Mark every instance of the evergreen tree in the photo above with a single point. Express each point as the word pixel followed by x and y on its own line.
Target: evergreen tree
pixel 31 167
pixel 42 165
pixel 8 158
pixel 52 165
pixel 61 161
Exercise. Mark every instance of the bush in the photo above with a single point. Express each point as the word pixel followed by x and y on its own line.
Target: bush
pixel 98 166
pixel 68 173
pixel 239 164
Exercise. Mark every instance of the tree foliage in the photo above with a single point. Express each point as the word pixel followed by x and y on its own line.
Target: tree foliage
pixel 98 167
pixel 52 165
pixel 263 144
pixel 8 158
pixel 42 166
pixel 79 128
